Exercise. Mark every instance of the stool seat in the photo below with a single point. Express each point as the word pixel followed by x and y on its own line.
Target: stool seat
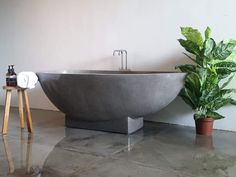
pixel 12 88
pixel 23 101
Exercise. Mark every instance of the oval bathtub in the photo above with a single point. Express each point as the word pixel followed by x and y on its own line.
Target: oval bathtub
pixel 113 101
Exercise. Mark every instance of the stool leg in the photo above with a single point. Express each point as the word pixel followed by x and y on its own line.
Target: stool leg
pixel 8 153
pixel 7 111
pixel 29 152
pixel 21 112
pixel 28 114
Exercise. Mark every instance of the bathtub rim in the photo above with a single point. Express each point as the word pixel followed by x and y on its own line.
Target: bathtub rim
pixel 108 72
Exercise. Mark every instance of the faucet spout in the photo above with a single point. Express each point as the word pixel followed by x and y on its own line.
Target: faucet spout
pixel 121 53
pixel 126 61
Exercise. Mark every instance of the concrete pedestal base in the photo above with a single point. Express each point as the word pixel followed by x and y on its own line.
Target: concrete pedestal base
pixel 125 126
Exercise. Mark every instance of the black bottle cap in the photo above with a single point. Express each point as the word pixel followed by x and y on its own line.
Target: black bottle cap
pixel 12 70
pixel 9 68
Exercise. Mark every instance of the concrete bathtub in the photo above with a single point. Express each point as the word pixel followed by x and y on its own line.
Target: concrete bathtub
pixel 113 101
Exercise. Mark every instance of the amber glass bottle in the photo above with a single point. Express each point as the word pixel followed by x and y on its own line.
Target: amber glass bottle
pixel 11 77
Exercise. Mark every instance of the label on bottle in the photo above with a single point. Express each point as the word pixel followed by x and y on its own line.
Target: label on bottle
pixel 11 77
pixel 11 81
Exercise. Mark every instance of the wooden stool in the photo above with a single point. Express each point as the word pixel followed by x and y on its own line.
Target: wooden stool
pixel 22 100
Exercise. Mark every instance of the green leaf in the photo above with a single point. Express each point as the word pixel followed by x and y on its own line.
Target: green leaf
pixel 231 65
pixel 233 102
pixel 190 46
pixel 199 116
pixel 187 97
pixel 225 84
pixel 187 68
pixel 231 56
pixel 194 60
pixel 214 115
pixel 193 35
pixel 191 92
pixel 211 81
pixel 225 68
pixel 207 33
pixel 199 60
pixel 221 102
pixel 223 50
pixel 192 81
pixel 209 45
pixel 224 92
pixel 203 74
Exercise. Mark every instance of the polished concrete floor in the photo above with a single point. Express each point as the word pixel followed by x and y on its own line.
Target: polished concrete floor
pixel 159 150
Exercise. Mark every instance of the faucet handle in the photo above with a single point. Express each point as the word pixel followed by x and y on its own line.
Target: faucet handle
pixel 117 51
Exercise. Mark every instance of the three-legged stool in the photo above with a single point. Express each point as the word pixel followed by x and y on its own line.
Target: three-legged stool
pixel 23 101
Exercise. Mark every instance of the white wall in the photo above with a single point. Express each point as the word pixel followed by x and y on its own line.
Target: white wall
pixel 40 35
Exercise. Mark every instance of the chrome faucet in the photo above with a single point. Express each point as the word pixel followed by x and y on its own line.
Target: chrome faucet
pixel 121 53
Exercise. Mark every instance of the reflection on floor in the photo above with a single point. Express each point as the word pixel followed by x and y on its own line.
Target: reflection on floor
pixel 157 150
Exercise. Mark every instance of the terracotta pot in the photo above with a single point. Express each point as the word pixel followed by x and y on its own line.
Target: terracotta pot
pixel 204 126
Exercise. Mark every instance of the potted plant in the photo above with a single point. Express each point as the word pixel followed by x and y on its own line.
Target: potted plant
pixel 205 89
